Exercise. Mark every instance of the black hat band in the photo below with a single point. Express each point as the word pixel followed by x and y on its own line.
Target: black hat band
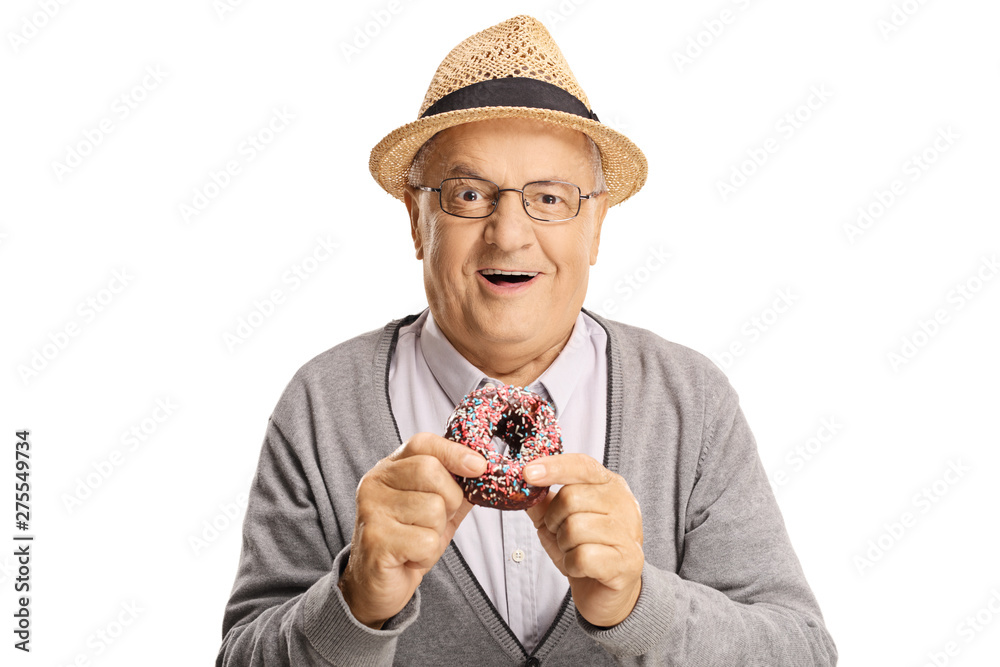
pixel 512 91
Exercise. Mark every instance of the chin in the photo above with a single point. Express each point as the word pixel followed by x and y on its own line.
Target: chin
pixel 515 325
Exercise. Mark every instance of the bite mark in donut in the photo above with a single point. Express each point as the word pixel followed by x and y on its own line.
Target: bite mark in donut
pixel 526 422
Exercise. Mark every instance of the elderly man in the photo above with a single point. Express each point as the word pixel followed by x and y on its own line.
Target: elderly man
pixel 660 542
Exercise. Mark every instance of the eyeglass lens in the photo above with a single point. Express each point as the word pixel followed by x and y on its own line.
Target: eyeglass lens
pixel 548 201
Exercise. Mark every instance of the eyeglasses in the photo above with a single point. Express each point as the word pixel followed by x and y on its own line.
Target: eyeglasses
pixel 545 201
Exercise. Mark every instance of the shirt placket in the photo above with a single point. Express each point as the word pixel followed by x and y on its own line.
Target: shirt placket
pixel 521 551
pixel 520 572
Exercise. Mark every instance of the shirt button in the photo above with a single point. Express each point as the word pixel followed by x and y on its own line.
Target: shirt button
pixel 518 555
pixel 533 662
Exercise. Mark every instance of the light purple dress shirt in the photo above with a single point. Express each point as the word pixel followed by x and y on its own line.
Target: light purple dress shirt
pixel 428 377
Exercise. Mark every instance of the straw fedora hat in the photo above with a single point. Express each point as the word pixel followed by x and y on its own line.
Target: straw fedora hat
pixel 513 69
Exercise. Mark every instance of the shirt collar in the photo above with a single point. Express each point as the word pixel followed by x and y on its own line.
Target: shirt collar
pixel 457 376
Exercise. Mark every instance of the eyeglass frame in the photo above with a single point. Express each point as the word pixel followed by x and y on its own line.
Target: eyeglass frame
pixel 496 202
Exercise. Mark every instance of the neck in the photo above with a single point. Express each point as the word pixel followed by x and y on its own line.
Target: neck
pixel 511 364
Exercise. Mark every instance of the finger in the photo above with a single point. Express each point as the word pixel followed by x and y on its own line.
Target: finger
pixel 537 514
pixel 420 548
pixel 414 474
pixel 413 508
pixel 537 511
pixel 393 545
pixel 566 469
pixel 588 528
pixel 457 459
pixel 577 498
pixel 593 561
pixel 549 543
pixel 417 472
pixel 455 520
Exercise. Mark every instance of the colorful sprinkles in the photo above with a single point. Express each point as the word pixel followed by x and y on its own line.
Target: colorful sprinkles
pixel 526 422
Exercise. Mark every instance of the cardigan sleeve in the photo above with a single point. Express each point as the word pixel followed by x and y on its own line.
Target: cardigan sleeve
pixel 739 596
pixel 286 608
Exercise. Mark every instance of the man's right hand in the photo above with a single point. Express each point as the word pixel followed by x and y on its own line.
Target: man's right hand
pixel 408 509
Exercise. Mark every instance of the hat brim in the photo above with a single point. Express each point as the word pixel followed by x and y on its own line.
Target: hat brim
pixel 624 164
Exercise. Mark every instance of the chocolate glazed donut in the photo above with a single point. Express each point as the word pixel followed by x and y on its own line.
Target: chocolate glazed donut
pixel 526 422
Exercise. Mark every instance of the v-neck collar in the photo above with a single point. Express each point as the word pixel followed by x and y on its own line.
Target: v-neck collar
pixel 457 376
pixel 452 557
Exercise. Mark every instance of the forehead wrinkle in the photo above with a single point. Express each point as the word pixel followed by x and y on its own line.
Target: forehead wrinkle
pixel 462 155
pixel 462 169
pixel 473 163
pixel 465 170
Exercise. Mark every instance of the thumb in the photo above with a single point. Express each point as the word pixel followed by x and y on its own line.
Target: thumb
pixel 461 460
pixel 456 458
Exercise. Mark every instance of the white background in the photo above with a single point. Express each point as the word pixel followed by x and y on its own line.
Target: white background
pixel 889 90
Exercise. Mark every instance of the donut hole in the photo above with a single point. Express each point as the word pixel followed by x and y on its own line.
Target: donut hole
pixel 501 447
pixel 510 431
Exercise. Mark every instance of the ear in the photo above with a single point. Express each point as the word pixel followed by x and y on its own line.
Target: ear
pixel 410 198
pixel 601 206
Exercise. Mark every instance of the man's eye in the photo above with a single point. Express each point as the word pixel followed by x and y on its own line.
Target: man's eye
pixel 549 200
pixel 468 195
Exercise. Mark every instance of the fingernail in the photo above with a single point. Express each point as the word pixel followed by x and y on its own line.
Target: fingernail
pixel 534 472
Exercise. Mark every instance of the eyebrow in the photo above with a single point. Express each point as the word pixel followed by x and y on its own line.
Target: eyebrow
pixel 461 169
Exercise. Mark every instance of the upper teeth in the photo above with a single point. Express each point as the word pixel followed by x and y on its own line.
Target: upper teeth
pixel 495 272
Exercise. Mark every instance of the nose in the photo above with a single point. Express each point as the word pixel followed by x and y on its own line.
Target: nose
pixel 509 228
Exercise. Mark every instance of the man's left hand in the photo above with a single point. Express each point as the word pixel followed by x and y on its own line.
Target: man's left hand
pixel 592 530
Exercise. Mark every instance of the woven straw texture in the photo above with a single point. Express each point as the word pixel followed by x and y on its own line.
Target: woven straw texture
pixel 518 47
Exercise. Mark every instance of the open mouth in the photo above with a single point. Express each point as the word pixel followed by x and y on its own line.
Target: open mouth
pixel 499 277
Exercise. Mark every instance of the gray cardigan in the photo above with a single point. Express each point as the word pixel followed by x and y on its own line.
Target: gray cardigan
pixel 721 585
